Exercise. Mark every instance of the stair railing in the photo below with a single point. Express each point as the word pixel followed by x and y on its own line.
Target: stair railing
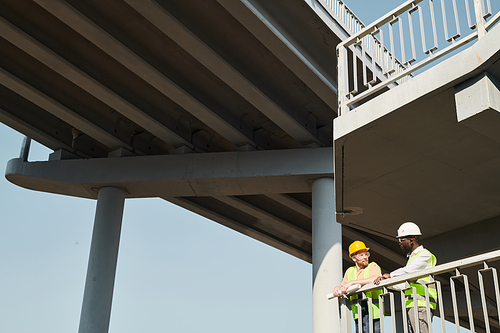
pixel 377 47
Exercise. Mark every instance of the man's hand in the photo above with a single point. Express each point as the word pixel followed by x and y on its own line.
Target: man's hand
pixel 337 291
pixel 344 288
pixel 380 278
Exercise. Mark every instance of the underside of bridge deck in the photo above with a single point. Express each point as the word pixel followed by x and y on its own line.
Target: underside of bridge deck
pixel 213 83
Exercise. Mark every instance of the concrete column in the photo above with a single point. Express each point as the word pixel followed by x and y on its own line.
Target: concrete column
pixel 98 294
pixel 326 256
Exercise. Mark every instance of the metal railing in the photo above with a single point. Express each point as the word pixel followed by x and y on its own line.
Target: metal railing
pixel 344 16
pixel 380 67
pixel 478 295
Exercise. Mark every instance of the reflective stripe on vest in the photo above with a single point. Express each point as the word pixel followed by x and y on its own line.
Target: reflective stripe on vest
pixel 420 288
pixel 351 276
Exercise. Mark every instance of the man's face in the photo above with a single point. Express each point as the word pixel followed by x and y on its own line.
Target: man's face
pixel 361 258
pixel 405 243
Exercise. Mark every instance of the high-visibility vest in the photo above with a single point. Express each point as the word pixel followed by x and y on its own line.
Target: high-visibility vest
pixel 351 276
pixel 420 289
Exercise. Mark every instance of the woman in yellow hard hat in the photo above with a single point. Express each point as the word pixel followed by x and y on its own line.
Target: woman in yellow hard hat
pixel 362 273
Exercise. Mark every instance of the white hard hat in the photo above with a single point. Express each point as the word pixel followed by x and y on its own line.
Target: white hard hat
pixel 408 229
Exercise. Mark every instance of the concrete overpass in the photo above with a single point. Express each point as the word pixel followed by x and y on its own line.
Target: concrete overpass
pixel 426 151
pixel 226 108
pixel 221 107
pixel 192 79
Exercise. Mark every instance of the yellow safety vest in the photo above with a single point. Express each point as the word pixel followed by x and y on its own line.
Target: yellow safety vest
pixel 351 276
pixel 420 289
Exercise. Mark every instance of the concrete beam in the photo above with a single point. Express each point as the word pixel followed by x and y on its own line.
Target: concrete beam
pixel 265 220
pixel 211 174
pixel 87 83
pixel 172 28
pixel 246 230
pixel 291 203
pixel 53 107
pixel 327 15
pixel 478 105
pixel 261 25
pixel 141 68
pixel 32 132
pixel 274 38
pixel 315 76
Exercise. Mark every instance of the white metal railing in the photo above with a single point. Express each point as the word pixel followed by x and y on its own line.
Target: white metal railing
pixel 475 294
pixel 381 68
pixel 344 16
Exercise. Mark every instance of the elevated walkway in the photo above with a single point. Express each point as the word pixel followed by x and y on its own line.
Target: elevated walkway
pixel 425 150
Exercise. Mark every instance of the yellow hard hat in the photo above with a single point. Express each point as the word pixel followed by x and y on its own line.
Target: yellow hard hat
pixel 357 246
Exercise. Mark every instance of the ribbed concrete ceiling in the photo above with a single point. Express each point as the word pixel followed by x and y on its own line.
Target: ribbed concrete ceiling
pixel 130 78
pixel 152 77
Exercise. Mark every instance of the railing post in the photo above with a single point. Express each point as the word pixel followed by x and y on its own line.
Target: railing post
pixel 480 21
pixel 25 149
pixel 343 83
pixel 345 315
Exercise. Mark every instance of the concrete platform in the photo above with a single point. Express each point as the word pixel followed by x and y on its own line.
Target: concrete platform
pixel 426 150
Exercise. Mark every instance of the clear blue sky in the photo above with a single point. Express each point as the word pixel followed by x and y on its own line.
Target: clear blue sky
pixel 177 272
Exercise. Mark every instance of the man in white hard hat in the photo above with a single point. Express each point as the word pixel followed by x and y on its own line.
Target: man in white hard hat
pixel 419 258
pixel 362 273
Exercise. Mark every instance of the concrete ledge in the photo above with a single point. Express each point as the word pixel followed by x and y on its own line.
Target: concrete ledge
pixel 478 105
pixel 472 61
pixel 234 173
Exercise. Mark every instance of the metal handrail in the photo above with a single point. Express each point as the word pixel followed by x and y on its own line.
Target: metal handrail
pixel 454 266
pixel 386 69
pixel 451 266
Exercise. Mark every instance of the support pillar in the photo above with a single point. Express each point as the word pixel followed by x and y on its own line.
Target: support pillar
pixel 98 294
pixel 326 256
